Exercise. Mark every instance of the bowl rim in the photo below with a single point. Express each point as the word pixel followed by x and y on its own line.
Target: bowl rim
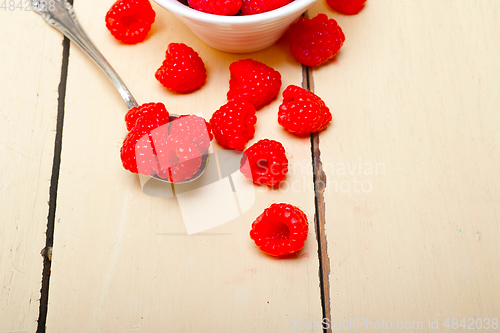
pixel 176 7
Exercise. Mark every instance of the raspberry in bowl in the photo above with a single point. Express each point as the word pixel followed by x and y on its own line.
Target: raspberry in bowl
pixel 240 33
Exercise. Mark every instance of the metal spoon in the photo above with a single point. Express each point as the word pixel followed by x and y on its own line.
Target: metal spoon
pixel 61 15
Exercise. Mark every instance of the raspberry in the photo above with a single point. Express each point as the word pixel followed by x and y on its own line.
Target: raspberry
pixel 182 71
pixel 225 7
pixel 253 81
pixel 149 149
pixel 281 229
pixel 155 110
pixel 313 42
pixel 137 151
pixel 251 7
pixel 129 21
pixel 234 124
pixel 302 112
pixel 265 162
pixel 194 129
pixel 179 159
pixel 348 7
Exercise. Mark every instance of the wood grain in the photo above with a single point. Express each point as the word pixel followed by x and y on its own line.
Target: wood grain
pixel 412 163
pixel 30 67
pixel 122 260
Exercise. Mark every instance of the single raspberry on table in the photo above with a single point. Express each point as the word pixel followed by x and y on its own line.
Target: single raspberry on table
pixel 303 112
pixel 224 7
pixel 156 111
pixel 178 158
pixel 137 152
pixel 194 129
pixel 182 71
pixel 253 81
pixel 280 230
pixel 348 7
pixel 129 21
pixel 234 124
pixel 251 7
pixel 265 162
pixel 315 41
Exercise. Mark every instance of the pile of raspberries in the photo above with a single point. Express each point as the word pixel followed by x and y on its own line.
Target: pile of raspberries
pixel 174 149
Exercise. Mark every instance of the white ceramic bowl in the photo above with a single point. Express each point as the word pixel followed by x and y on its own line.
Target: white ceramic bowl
pixel 238 34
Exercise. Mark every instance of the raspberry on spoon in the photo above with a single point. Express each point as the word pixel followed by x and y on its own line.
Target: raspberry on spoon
pixel 137 152
pixel 179 159
pixel 155 111
pixel 194 129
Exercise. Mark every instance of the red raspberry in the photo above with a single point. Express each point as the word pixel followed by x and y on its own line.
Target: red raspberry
pixel 137 152
pixel 179 159
pixel 265 162
pixel 313 42
pixel 253 81
pixel 281 229
pixel 129 21
pixel 154 110
pixel 251 7
pixel 234 124
pixel 182 71
pixel 194 129
pixel 348 7
pixel 303 112
pixel 225 7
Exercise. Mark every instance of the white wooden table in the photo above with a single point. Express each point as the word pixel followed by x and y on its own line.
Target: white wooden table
pixel 404 219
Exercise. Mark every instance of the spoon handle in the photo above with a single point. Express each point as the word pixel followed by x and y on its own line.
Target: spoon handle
pixel 61 15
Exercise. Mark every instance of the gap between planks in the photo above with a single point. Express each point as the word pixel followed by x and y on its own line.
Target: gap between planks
pixel 319 179
pixel 54 181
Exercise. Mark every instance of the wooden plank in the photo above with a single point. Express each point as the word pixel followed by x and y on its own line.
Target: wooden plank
pixel 122 260
pixel 30 70
pixel 412 163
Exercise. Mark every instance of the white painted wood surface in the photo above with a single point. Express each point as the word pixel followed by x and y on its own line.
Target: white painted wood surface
pixel 415 99
pixel 411 159
pixel 30 66
pixel 122 260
